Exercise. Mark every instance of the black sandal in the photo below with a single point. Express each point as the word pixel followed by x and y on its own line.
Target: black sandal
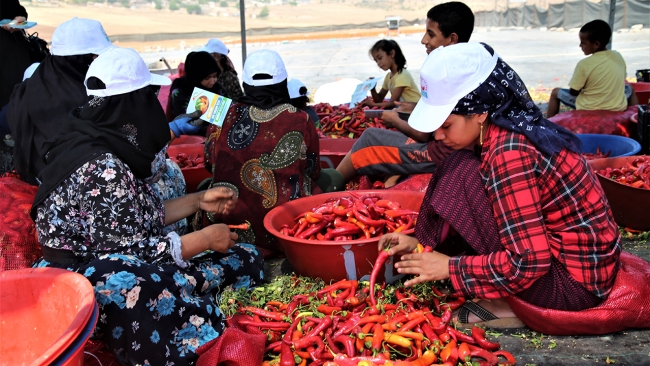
pixel 487 318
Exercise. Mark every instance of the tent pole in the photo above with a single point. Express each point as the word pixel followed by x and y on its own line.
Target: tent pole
pixel 242 19
pixel 612 20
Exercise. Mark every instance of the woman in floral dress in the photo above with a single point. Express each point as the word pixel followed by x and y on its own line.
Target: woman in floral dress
pixel 267 149
pixel 97 214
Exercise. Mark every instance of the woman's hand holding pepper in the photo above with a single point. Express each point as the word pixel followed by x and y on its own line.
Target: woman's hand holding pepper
pixel 219 237
pixel 399 243
pixel 426 266
pixel 220 200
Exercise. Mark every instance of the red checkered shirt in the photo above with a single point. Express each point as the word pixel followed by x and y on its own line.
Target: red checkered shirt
pixel 544 206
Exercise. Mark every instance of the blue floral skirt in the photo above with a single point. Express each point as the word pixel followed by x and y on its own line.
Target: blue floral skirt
pixel 160 314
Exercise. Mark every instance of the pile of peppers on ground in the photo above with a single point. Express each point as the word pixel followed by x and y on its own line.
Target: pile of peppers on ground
pixel 635 174
pixel 351 218
pixel 344 122
pixel 344 324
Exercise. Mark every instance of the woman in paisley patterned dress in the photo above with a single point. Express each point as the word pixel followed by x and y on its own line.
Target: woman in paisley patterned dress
pixel 266 149
pixel 97 214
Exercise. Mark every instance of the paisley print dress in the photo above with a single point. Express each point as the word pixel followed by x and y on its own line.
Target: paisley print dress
pixel 270 156
pixel 155 307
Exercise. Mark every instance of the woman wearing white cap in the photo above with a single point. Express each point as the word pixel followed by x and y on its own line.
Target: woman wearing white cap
pixel 300 98
pixel 531 218
pixel 266 149
pixel 39 104
pixel 228 76
pixel 97 214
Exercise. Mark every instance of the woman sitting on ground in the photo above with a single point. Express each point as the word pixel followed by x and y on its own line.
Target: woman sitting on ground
pixel 39 104
pixel 531 218
pixel 97 214
pixel 266 150
pixel 228 76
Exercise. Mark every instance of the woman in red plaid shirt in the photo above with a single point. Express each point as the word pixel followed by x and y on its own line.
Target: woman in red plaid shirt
pixel 515 210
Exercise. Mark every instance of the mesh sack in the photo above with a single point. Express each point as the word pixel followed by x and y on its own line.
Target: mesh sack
pixel 598 122
pixel 239 345
pixel 628 306
pixel 19 247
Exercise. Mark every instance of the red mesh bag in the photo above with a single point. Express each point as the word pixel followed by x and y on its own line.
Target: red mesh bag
pixel 628 306
pixel 19 247
pixel 239 345
pixel 599 122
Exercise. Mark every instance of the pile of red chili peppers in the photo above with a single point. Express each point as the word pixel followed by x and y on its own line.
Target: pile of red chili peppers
pixel 351 218
pixel 635 174
pixel 344 122
pixel 599 154
pixel 346 329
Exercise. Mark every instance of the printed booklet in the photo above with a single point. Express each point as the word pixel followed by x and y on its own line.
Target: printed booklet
pixel 13 24
pixel 213 106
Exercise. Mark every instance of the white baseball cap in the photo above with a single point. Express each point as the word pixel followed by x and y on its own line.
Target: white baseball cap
pixel 294 86
pixel 216 46
pixel 264 62
pixel 447 75
pixel 79 36
pixel 30 70
pixel 122 70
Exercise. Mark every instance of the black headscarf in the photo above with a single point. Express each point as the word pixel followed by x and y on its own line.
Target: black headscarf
pixel 505 97
pixel 267 96
pixel 40 104
pixel 132 126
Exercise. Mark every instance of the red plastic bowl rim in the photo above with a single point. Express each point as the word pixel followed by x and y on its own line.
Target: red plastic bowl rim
pixel 619 183
pixel 86 307
pixel 273 231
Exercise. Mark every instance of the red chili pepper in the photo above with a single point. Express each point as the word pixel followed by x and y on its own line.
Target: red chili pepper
pixel 479 336
pixel 244 226
pixel 328 310
pixel 460 336
pixel 379 265
pixel 484 354
pixel 377 338
pixel 343 284
pixel 412 323
pixel 263 313
pixel 510 359
pixel 464 354
pixel 325 323
pixel 348 344
pixel 312 230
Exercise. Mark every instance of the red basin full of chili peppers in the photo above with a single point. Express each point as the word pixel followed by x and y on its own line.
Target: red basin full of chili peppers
pixel 629 203
pixel 328 258
pixel 190 159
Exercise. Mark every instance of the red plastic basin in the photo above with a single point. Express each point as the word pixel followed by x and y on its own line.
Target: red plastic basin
pixel 195 175
pixel 629 205
pixel 43 311
pixel 332 151
pixel 188 140
pixel 329 260
pixel 642 91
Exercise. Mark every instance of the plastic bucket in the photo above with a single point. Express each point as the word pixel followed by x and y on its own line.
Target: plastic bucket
pixel 74 355
pixel 330 260
pixel 44 310
pixel 194 175
pixel 616 145
pixel 332 151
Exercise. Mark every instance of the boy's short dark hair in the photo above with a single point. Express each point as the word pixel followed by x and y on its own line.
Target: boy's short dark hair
pixel 453 17
pixel 597 31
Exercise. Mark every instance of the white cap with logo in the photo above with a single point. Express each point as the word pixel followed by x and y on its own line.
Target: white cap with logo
pixel 266 62
pixel 79 36
pixel 216 46
pixel 447 75
pixel 294 86
pixel 122 70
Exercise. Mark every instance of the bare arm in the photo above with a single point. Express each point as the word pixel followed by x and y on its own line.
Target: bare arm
pixel 220 199
pixel 391 119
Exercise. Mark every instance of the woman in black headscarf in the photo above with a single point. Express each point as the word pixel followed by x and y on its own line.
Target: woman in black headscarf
pixel 524 215
pixel 201 71
pixel 97 215
pixel 40 104
pixel 13 48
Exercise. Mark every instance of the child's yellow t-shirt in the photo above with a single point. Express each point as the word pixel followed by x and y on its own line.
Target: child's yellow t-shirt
pixel 601 77
pixel 404 79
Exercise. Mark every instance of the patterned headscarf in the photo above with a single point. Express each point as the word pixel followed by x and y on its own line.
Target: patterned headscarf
pixel 505 97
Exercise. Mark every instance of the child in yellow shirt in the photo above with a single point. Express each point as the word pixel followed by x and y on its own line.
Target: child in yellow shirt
pixel 598 82
pixel 388 56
